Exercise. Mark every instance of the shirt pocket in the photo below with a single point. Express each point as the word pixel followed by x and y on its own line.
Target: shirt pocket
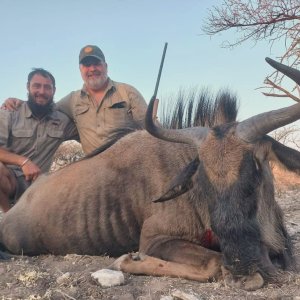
pixel 55 133
pixel 81 110
pixel 81 116
pixel 21 140
pixel 116 115
pixel 22 133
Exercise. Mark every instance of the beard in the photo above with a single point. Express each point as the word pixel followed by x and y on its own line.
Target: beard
pixel 39 110
pixel 96 83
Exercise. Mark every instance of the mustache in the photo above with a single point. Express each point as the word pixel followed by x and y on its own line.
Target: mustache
pixel 94 73
pixel 32 97
pixel 41 96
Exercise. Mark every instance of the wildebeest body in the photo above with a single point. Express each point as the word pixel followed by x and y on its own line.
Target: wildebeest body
pixel 98 205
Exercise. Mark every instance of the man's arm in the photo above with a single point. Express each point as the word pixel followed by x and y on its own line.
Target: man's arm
pixel 30 169
pixel 65 105
pixel 12 104
pixel 138 105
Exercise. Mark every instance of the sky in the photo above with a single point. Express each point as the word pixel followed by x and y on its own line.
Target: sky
pixel 132 34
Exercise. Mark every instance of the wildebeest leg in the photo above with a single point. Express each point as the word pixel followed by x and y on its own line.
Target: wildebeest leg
pixel 174 258
pixel 190 260
pixel 7 186
pixel 149 265
pixel 208 262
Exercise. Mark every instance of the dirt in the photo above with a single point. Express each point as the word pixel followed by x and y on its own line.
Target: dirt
pixel 69 277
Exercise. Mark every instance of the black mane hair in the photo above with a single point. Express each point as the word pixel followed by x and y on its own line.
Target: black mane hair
pixel 188 110
pixel 193 109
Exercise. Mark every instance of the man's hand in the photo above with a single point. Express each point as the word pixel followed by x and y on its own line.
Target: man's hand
pixel 11 104
pixel 31 170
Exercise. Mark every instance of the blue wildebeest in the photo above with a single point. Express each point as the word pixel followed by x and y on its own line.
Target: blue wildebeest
pixel 222 221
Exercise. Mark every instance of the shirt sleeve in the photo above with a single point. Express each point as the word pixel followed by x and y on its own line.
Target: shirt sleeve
pixel 65 105
pixel 5 127
pixel 138 105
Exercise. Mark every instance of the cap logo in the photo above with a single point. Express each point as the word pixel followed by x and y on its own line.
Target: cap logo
pixel 88 49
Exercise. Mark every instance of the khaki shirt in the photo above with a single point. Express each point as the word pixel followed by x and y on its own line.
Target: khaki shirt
pixel 121 103
pixel 38 140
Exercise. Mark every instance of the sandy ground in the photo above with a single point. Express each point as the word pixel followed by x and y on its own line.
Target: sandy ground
pixel 69 277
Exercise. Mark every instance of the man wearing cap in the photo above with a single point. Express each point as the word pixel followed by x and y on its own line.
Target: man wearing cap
pixel 102 104
pixel 30 136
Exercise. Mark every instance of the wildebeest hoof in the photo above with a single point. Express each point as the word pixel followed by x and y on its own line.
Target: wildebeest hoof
pixel 248 283
pixel 139 256
pixel 136 256
pixel 116 265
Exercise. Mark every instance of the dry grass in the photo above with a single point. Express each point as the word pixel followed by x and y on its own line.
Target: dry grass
pixel 285 180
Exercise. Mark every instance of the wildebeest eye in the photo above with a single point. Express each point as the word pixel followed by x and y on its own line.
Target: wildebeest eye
pixel 257 164
pixel 181 183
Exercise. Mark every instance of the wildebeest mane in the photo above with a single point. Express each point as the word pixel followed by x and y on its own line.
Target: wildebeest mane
pixel 190 109
pixel 202 108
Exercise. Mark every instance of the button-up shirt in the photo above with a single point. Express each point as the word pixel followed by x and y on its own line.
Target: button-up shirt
pixel 120 104
pixel 23 134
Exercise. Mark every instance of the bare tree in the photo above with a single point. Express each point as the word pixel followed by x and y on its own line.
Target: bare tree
pixel 288 135
pixel 257 20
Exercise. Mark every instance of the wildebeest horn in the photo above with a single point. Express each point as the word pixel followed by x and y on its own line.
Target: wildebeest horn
pixel 292 73
pixel 185 136
pixel 259 125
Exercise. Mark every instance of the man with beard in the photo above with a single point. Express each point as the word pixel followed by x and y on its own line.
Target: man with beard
pixel 30 136
pixel 102 104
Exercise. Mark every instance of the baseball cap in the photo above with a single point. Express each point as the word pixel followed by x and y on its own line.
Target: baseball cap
pixel 91 51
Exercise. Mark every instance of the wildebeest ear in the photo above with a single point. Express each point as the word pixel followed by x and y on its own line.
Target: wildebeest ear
pixel 181 183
